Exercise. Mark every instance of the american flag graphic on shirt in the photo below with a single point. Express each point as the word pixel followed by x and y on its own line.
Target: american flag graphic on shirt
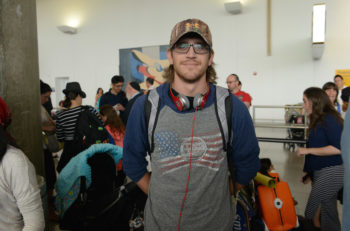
pixel 174 150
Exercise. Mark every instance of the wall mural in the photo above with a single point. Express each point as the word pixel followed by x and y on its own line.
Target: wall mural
pixel 140 63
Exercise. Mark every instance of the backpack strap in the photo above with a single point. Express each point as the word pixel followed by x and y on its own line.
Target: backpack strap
pixel 152 106
pixel 223 109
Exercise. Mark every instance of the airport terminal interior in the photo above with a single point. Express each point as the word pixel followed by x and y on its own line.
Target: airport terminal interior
pixel 285 162
pixel 278 48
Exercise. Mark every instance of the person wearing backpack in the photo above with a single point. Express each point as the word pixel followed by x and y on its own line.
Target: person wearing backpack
pixel 185 134
pixel 67 122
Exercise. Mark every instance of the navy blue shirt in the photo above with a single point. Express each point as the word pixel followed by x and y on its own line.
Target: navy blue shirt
pixel 326 133
pixel 245 145
pixel 111 99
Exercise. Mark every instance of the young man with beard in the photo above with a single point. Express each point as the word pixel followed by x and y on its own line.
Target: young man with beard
pixel 115 96
pixel 189 188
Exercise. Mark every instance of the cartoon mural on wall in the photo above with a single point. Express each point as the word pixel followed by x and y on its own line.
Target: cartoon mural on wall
pixel 138 64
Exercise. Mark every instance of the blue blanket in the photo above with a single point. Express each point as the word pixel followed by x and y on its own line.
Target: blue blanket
pixel 68 181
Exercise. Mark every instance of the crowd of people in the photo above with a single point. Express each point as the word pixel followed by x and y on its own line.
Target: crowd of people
pixel 191 153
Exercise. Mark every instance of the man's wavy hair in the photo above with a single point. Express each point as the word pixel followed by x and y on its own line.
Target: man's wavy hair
pixel 169 72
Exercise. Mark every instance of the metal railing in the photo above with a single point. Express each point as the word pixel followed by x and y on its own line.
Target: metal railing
pixel 280 125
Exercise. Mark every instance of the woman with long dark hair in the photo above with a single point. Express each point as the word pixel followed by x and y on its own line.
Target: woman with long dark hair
pixel 99 93
pixel 116 128
pixel 332 91
pixel 323 163
pixel 113 123
pixel 67 119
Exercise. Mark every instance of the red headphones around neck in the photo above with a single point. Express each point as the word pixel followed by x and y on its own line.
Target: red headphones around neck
pixel 182 102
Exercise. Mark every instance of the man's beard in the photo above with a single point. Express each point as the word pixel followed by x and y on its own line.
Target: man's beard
pixel 189 80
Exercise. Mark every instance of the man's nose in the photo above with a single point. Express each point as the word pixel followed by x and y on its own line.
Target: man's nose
pixel 191 52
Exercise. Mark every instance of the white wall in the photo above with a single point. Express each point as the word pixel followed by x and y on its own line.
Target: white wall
pixel 91 56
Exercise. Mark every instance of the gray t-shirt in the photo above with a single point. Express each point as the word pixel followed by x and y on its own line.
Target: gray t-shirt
pixel 208 203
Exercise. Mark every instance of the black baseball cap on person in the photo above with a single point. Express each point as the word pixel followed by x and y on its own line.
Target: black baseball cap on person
pixel 117 79
pixel 74 87
pixel 135 85
pixel 345 94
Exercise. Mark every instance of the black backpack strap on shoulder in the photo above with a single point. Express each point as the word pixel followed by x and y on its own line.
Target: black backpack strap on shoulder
pixel 152 105
pixel 223 109
pixel 85 108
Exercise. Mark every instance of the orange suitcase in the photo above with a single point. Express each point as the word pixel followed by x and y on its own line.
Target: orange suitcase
pixel 277 206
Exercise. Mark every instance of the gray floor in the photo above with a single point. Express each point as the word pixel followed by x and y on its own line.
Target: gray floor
pixel 286 163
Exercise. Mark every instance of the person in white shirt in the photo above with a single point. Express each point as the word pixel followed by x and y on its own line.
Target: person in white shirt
pixel 20 203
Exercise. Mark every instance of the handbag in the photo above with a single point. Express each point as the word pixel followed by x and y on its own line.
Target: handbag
pixel 51 142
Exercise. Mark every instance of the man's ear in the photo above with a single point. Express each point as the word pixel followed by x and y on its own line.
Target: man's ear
pixel 211 58
pixel 170 56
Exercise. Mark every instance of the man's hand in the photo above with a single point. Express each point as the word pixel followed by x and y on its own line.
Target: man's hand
pixel 143 183
pixel 119 107
pixel 238 186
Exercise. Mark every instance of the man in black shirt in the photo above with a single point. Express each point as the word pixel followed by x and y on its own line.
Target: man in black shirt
pixel 115 96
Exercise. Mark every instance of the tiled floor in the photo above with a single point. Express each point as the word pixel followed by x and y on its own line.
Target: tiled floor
pixel 286 163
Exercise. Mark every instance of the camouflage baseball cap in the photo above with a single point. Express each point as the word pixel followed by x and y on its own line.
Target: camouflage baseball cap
pixel 190 25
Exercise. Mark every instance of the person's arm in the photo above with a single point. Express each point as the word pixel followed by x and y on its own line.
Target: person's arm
pixel 238 186
pixel 247 100
pixel 323 151
pixel 143 183
pixel 59 130
pixel 247 104
pixel 330 132
pixel 119 107
pixel 245 146
pixel 47 124
pixel 135 146
pixel 48 128
pixel 25 189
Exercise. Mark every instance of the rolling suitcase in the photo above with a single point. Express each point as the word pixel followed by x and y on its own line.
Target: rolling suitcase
pixel 277 206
